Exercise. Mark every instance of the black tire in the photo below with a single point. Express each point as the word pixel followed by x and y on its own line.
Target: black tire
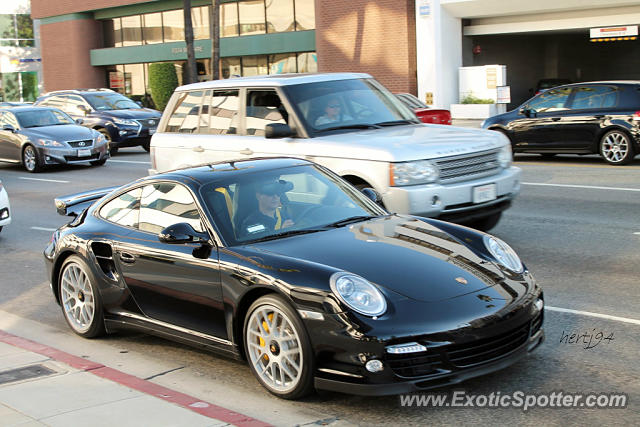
pixel 146 146
pixel 616 148
pixel 547 156
pixel 112 150
pixel 275 306
pixel 80 297
pixel 1 227
pixel 30 159
pixel 98 162
pixel 486 223
pixel 504 132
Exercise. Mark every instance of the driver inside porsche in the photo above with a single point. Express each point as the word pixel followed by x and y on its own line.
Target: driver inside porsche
pixel 269 215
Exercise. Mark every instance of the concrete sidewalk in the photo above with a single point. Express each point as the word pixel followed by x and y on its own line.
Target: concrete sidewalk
pixel 43 386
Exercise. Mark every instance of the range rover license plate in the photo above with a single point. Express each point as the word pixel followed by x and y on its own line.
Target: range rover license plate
pixel 84 153
pixel 484 193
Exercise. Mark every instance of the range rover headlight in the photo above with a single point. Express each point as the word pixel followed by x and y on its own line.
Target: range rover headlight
pixel 503 253
pixel 125 122
pixel 358 294
pixel 413 173
pixel 505 156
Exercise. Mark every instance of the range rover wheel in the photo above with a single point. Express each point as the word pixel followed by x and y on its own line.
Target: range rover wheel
pixel 30 159
pixel 278 348
pixel 616 148
pixel 79 298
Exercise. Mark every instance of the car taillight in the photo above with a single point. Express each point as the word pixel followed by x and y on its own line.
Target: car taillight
pixel 636 116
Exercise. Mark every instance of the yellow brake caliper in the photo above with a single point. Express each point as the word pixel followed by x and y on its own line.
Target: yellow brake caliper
pixel 262 343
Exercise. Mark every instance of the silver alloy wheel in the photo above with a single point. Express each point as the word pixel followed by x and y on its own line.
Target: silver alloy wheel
pixel 78 301
pixel 274 348
pixel 29 157
pixel 615 147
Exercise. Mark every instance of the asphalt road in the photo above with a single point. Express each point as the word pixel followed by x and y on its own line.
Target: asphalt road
pixel 576 225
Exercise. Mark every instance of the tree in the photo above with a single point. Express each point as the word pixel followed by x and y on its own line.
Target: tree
pixel 162 82
pixel 192 73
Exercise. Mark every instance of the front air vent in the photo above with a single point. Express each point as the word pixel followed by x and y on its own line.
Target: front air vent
pixel 104 257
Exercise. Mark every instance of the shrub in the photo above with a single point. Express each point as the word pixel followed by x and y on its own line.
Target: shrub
pixel 162 82
pixel 472 99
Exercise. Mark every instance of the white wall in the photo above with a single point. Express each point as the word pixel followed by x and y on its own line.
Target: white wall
pixel 439 53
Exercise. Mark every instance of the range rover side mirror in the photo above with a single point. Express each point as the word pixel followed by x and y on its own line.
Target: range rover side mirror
pixel 277 130
pixel 79 121
pixel 9 128
pixel 182 233
pixel 372 194
pixel 83 109
pixel 139 103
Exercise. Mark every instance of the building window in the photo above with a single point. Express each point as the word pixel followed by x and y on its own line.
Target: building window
pixel 305 15
pixel 200 22
pixel 252 20
pixel 173 26
pixel 303 62
pixel 117 32
pixel 307 62
pixel 16 30
pixel 280 16
pixel 229 20
pixel 131 31
pixel 152 28
pixel 282 63
pixel 231 67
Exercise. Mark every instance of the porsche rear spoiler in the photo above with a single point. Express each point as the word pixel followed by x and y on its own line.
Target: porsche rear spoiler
pixel 74 204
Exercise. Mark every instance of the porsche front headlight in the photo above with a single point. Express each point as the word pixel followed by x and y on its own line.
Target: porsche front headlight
pixel 503 253
pixel 358 294
pixel 413 173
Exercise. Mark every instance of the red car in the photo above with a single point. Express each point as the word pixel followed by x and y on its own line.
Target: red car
pixel 422 110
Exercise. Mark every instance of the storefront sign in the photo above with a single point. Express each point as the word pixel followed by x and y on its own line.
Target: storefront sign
pixel 628 31
pixel 116 80
pixel 503 94
pixel 179 50
pixel 492 78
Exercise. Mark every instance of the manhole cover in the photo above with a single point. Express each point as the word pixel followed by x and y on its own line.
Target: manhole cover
pixel 25 373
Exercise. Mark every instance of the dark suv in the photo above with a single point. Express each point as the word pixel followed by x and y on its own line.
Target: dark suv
pixel 123 122
pixel 582 118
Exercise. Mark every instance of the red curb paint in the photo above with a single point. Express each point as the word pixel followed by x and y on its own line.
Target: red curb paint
pixel 189 402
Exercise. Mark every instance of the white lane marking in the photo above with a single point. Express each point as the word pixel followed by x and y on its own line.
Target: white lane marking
pixel 590 314
pixel 43 229
pixel 46 180
pixel 593 187
pixel 128 161
pixel 637 233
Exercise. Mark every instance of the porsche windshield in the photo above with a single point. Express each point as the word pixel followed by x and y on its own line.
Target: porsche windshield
pixel 347 104
pixel 259 206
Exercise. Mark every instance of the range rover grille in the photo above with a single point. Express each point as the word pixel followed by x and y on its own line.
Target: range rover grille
pixel 468 166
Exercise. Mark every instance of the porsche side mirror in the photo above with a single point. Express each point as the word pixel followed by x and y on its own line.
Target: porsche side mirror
pixel 182 233
pixel 525 112
pixel 277 130
pixel 372 194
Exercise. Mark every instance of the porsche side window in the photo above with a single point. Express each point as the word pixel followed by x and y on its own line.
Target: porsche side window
pixel 220 113
pixel 185 116
pixel 165 204
pixel 551 100
pixel 263 107
pixel 124 209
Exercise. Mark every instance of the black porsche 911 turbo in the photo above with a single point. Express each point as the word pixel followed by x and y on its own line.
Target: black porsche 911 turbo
pixel 281 262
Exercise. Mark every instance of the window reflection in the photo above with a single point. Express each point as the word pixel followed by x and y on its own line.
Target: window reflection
pixel 308 62
pixel 254 65
pixel 251 17
pixel 131 31
pixel 304 62
pixel 184 118
pixel 117 32
pixel 229 20
pixel 173 26
pixel 200 22
pixel 124 209
pixel 166 204
pixel 305 15
pixel 280 16
pixel 152 31
pixel 231 67
pixel 283 63
pixel 224 112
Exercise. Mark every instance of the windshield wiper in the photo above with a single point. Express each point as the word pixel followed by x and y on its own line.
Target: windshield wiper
pixel 355 126
pixel 349 220
pixel 287 234
pixel 398 122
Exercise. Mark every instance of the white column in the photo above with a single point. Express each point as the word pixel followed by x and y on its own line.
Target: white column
pixel 439 52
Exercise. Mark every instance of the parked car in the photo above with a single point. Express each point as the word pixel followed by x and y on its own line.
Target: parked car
pixel 5 208
pixel 423 111
pixel 546 84
pixel 317 302
pixel 5 104
pixel 41 136
pixel 351 124
pixel 582 118
pixel 123 122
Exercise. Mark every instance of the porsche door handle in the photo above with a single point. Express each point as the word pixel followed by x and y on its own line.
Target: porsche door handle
pixel 127 257
pixel 555 119
pixel 198 149
pixel 246 151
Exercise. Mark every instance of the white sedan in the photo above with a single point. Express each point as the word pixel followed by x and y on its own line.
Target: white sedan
pixel 5 210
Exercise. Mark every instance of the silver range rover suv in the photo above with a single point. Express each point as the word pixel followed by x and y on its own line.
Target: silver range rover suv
pixel 351 124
